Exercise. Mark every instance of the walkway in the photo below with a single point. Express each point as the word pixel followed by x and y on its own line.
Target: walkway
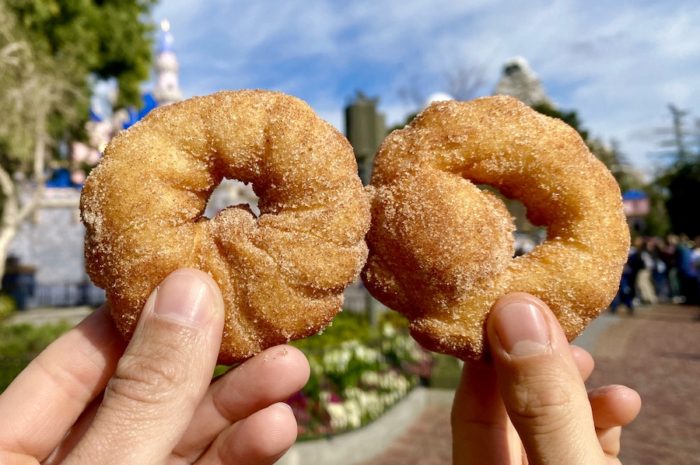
pixel 656 352
pixel 41 316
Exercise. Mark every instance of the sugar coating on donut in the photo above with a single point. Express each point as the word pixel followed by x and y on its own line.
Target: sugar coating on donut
pixel 281 274
pixel 441 249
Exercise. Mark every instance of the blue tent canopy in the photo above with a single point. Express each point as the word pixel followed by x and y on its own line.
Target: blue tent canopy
pixel 634 195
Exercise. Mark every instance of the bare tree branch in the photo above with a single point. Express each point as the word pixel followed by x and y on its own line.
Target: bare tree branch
pixel 9 210
pixel 464 83
pixel 39 175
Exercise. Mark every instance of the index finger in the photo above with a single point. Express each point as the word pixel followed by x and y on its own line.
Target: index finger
pixel 46 399
pixel 481 430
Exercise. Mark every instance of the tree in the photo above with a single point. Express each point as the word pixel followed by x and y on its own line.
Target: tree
pixel 678 139
pixel 681 179
pixel 461 83
pixel 657 222
pixel 48 51
pixel 570 117
pixel 106 38
pixel 609 153
pixel 465 82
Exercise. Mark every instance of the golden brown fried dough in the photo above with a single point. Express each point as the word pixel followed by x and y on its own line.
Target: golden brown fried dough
pixel 282 274
pixel 441 248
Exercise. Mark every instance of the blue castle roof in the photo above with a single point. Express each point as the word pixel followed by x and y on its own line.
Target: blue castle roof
pixel 148 103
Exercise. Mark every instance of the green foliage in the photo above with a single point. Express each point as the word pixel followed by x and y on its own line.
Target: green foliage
pixel 347 326
pixel 108 38
pixel 7 306
pixel 683 184
pixel 446 372
pixel 19 344
pixel 569 117
pixel 51 49
pixel 657 222
pixel 676 190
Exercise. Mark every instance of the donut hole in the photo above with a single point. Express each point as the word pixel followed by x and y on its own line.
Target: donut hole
pixel 527 235
pixel 231 192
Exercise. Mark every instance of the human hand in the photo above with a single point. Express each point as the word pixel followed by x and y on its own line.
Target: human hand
pixel 88 399
pixel 529 404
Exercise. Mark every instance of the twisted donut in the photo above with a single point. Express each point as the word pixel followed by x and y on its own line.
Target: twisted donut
pixel 282 274
pixel 441 248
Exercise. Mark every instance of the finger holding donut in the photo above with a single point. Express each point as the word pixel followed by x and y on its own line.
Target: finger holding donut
pixel 529 401
pixel 441 248
pixel 90 398
pixel 282 274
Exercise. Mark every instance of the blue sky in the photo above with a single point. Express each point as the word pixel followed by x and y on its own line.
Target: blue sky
pixel 617 63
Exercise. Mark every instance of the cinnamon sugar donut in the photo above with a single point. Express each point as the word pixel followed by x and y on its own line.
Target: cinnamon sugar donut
pixel 441 249
pixel 282 274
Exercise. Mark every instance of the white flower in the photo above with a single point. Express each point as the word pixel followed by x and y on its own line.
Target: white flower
pixel 339 417
pixel 388 330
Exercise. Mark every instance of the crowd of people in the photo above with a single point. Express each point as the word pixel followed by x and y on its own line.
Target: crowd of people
pixel 660 270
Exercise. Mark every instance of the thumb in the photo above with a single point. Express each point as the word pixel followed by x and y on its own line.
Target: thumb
pixel 541 387
pixel 161 377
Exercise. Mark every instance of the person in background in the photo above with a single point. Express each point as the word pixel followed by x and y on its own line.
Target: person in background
pixel 626 293
pixel 687 272
pixel 659 272
pixel 669 254
pixel 646 266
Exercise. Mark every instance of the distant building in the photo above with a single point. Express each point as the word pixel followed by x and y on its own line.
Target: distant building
pixel 365 128
pixel 520 81
pixel 231 192
pixel 51 243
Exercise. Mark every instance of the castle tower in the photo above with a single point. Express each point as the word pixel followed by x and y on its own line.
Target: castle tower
pixel 365 128
pixel 520 81
pixel 167 88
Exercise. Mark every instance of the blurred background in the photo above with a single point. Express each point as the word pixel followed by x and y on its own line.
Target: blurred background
pixel 73 73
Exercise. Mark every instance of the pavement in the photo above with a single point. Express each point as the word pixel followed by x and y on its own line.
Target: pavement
pixel 656 352
pixel 42 316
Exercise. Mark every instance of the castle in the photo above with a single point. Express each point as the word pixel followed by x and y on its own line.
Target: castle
pixel 50 244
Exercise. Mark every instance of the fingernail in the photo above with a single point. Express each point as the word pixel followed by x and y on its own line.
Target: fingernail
pixel 185 297
pixel 521 328
pixel 284 406
pixel 605 390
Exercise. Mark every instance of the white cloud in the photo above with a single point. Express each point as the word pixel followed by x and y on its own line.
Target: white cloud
pixel 617 63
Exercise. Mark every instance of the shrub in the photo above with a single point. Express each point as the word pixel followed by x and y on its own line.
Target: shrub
pixel 19 344
pixel 7 306
pixel 357 373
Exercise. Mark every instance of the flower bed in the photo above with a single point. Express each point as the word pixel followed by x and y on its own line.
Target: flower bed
pixel 357 373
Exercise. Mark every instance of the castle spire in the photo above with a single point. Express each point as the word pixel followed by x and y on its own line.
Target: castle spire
pixel 520 81
pixel 167 88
